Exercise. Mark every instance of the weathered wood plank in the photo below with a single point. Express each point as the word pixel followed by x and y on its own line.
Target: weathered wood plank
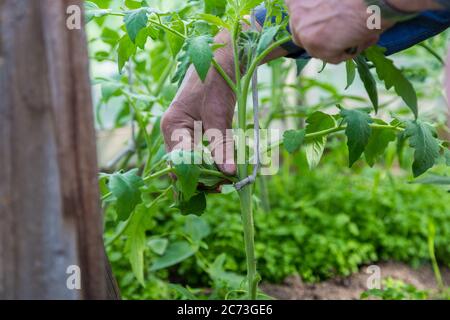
pixel 49 210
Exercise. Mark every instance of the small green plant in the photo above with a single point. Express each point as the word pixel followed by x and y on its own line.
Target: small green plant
pixel 396 290
pixel 431 239
pixel 188 34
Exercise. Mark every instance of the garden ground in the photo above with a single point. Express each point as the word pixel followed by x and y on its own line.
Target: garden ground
pixel 351 287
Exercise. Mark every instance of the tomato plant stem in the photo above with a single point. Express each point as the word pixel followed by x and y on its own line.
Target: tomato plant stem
pixel 245 196
pixel 258 60
pixel 168 170
pixel 224 75
pixel 318 134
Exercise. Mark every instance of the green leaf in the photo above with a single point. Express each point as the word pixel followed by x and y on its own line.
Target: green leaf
pixel 110 89
pixel 125 187
pixel 176 252
pixel 368 80
pixel 228 189
pixel 293 140
pixel 182 67
pixel 185 293
pixel 378 142
pixel 158 245
pixel 142 37
pixel 196 205
pixel 153 32
pixel 101 56
pixel 214 20
pixel 196 228
pixel 401 143
pixel 203 28
pixel 247 5
pixel 135 21
pixel 301 64
pixel 139 223
pixel 110 36
pixel 215 7
pixel 248 41
pixel 447 157
pixel 421 138
pixel 125 51
pixel 200 54
pixel 217 272
pixel 134 4
pixel 351 72
pixel 188 177
pixel 267 36
pixel 103 184
pixel 176 42
pixel 314 148
pixel 210 181
pixel 393 77
pixel 92 11
pixel 358 132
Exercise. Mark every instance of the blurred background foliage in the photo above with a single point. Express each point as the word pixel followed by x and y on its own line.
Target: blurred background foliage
pixel 316 223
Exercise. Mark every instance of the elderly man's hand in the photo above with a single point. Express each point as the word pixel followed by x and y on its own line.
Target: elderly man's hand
pixel 212 103
pixel 329 28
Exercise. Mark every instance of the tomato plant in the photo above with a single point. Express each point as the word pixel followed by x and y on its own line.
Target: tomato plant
pixel 152 46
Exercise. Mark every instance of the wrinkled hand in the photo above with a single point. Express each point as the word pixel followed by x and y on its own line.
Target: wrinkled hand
pixel 328 28
pixel 212 103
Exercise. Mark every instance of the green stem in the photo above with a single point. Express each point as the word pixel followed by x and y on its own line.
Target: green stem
pixel 319 134
pixel 158 174
pixel 275 88
pixel 173 31
pixel 163 79
pixel 264 190
pixel 326 132
pixel 217 174
pixel 143 128
pixel 224 75
pixel 433 53
pixel 172 170
pixel 259 59
pixel 146 179
pixel 237 65
pixel 431 239
pixel 245 194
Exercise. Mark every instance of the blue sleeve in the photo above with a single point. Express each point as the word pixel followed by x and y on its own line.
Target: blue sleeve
pixel 400 37
pixel 408 33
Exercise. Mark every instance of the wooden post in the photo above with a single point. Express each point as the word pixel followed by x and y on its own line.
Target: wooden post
pixel 50 217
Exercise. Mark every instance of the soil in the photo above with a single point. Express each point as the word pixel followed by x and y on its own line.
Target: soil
pixel 351 287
